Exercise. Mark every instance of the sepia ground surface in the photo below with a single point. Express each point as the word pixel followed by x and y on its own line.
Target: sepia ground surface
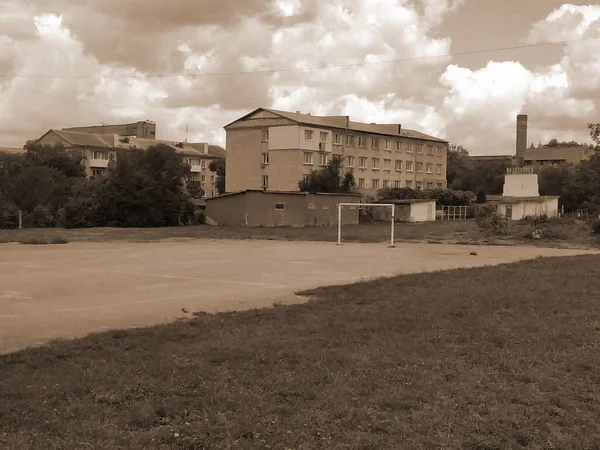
pixel 65 291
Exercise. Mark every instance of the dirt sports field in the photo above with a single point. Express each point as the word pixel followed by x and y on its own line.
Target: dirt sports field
pixel 63 291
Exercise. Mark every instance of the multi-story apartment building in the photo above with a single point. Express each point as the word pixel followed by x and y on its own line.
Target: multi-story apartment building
pixel 274 150
pixel 101 149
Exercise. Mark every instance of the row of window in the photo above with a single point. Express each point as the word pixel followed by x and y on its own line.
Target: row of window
pixel 202 178
pixel 376 143
pixel 196 162
pixel 375 184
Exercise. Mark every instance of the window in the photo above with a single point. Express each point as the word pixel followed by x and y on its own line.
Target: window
pixel 419 185
pixel 323 137
pixel 419 149
pixel 308 158
pixel 375 163
pixel 280 206
pixel 375 183
pixel 440 151
pixel 398 166
pixel 337 139
pixel 409 166
pixel 386 184
pixel 438 169
pixel 265 181
pixel 429 185
pixel 101 155
pixel 203 165
pixel 212 178
pixel 430 150
pixel 308 135
pixel 265 158
pixel 409 147
pixel 322 160
pixel 204 178
pixel 419 167
pixel 361 183
pixel 388 145
pixel 362 141
pixel 408 183
pixel 398 184
pixel 97 172
pixel 362 162
pixel 212 193
pixel 375 143
pixel 429 168
pixel 265 135
pixel 350 141
pixel 398 146
pixel 439 185
pixel 350 161
pixel 387 163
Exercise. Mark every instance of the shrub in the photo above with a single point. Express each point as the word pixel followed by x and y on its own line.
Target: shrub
pixel 34 241
pixel 9 216
pixel 41 217
pixel 487 218
pixel 59 240
pixel 596 226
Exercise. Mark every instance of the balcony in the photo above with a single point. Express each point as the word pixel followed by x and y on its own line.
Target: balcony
pixel 196 168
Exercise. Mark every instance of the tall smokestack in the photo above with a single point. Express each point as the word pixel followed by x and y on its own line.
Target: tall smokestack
pixel 521 135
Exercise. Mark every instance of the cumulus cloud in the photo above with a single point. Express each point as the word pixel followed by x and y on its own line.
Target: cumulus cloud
pixel 107 55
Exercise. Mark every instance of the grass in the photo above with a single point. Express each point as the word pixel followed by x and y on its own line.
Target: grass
pixel 567 232
pixel 455 360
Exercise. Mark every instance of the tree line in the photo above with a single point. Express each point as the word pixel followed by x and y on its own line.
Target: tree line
pixel 48 184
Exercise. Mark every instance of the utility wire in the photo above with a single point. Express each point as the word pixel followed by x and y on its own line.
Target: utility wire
pixel 302 69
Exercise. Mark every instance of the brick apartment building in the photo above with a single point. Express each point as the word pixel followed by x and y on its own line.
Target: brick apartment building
pixel 102 149
pixel 274 150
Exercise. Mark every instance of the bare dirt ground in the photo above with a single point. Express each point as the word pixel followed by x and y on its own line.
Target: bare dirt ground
pixel 66 291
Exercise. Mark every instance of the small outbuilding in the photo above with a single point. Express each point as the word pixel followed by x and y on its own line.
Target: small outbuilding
pixel 518 208
pixel 408 210
pixel 256 208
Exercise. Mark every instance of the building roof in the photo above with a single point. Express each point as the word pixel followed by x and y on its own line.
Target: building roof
pixel 343 122
pixel 406 201
pixel 95 140
pixel 506 200
pixel 259 191
pixel 558 153
pixel 11 151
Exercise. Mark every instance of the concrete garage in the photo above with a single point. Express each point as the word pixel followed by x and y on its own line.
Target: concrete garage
pixel 255 208
pixel 518 208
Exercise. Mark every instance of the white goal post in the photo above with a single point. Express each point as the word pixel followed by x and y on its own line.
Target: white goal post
pixel 363 205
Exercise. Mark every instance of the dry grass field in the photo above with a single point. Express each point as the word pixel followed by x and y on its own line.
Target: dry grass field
pixel 567 232
pixel 503 357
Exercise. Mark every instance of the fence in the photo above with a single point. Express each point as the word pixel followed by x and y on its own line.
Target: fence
pixel 455 212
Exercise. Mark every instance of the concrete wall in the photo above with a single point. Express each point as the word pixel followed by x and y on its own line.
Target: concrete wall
pixel 284 138
pixel 423 212
pixel 229 211
pixel 261 210
pixel 322 210
pixel 532 209
pixel 521 185
pixel 414 212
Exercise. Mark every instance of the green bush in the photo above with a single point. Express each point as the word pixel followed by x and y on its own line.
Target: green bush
pixel 9 216
pixel 40 217
pixel 488 219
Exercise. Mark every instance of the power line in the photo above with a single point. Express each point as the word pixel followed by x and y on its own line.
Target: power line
pixel 302 69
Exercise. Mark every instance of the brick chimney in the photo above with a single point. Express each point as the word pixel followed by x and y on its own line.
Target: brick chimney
pixel 521 135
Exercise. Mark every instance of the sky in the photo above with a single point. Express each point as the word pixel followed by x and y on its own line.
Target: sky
pixel 444 67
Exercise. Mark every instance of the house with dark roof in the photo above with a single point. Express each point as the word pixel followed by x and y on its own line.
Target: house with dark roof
pixel 101 150
pixel 273 150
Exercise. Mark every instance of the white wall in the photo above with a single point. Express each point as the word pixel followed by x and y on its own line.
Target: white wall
pixel 521 185
pixel 422 212
pixel 522 210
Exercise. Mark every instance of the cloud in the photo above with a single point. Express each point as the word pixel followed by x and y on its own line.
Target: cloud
pixel 110 52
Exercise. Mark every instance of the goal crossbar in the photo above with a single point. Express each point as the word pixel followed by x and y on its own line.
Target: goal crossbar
pixel 362 205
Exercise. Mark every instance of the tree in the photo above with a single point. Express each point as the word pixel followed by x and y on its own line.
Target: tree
pixel 218 166
pixel 595 132
pixel 465 174
pixel 329 179
pixel 146 189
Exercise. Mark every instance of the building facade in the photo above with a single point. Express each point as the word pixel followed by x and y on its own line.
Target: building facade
pixel 274 150
pixel 102 150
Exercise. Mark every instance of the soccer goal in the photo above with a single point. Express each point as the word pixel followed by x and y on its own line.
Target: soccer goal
pixel 341 206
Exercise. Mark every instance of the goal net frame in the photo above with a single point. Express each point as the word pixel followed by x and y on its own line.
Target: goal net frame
pixel 366 205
